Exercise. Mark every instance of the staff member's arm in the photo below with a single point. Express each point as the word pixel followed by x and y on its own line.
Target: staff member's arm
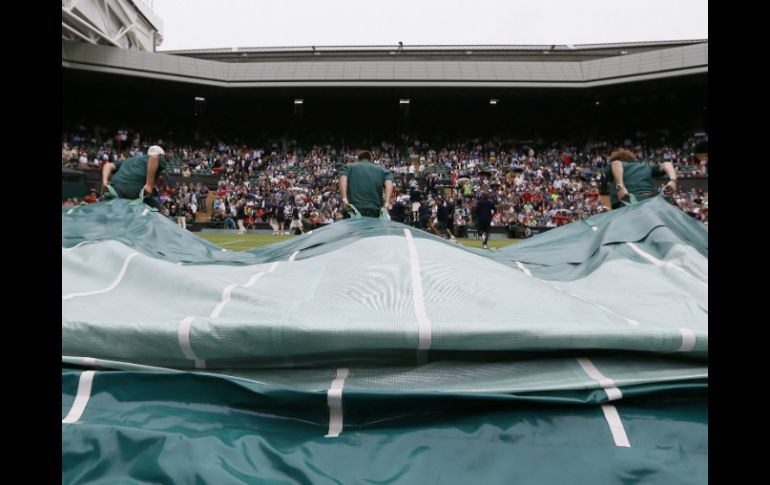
pixel 668 167
pixel 388 193
pixel 152 171
pixel 107 170
pixel 617 173
pixel 344 190
pixel 343 174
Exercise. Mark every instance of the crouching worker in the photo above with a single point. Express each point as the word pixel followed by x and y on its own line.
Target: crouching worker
pixel 135 177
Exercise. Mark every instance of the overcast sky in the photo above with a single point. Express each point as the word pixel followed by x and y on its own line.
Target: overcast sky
pixel 198 24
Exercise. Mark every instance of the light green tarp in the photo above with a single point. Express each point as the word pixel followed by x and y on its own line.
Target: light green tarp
pixel 577 356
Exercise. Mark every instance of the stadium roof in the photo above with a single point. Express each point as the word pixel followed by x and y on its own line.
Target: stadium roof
pixel 542 53
pixel 578 66
pixel 128 24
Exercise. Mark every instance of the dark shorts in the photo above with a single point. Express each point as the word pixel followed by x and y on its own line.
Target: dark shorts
pixel 370 212
pixel 153 201
pixel 364 212
pixel 441 224
pixel 483 226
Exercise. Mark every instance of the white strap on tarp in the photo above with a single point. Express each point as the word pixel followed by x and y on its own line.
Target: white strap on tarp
pixel 658 262
pixel 293 255
pixel 521 267
pixel 109 288
pixel 613 393
pixel 253 280
pixel 688 340
pixel 66 250
pixel 257 276
pixel 81 397
pixel 226 295
pixel 424 326
pixel 183 334
pixel 619 435
pixel 334 400
pixel 601 307
pixel 186 324
pixel 630 321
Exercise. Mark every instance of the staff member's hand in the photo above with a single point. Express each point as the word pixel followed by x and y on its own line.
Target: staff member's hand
pixel 147 190
pixel 622 193
pixel 672 185
pixel 345 204
pixel 105 187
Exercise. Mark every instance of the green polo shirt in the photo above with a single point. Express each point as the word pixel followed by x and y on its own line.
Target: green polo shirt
pixel 638 179
pixel 365 183
pixel 132 175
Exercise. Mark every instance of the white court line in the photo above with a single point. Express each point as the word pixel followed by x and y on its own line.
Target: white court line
pixel 230 242
pixel 293 255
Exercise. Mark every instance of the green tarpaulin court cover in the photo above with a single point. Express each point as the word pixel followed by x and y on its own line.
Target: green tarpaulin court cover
pixel 371 352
